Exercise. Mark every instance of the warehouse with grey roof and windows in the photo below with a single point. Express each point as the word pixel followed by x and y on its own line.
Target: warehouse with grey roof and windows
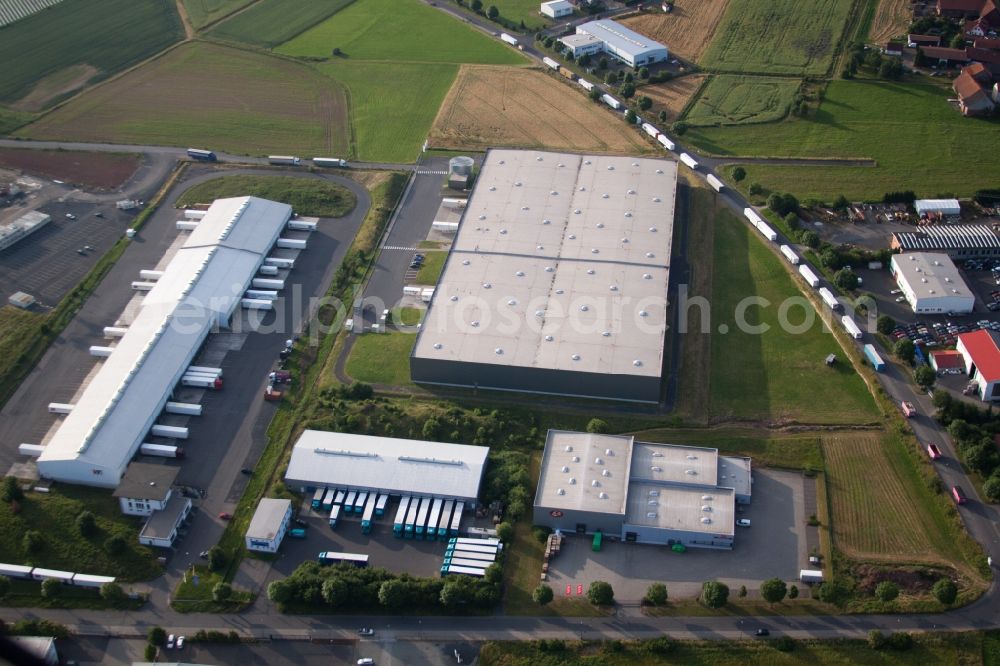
pixel 960 241
pixel 557 279
pixel 640 492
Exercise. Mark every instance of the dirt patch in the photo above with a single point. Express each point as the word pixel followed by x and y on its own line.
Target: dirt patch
pixel 88 171
pixel 56 85
pixel 672 96
pixel 526 108
pixel 914 580
pixel 687 30
pixel 891 20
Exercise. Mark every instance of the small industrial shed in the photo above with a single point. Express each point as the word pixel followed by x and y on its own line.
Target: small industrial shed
pixel 946 207
pixel 269 524
pixel 556 8
pixel 980 352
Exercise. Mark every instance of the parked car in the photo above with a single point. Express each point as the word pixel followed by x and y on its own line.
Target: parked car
pixel 170 642
pixel 762 632
pixel 203 554
pixel 180 642
pixel 908 410
pixel 366 661
pixel 225 515
pixel 297 533
pixel 366 631
pixel 301 522
pixel 933 451
pixel 70 216
pixel 959 495
pixel 743 522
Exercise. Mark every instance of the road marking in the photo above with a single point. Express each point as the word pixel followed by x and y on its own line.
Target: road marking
pixel 431 173
pixel 399 248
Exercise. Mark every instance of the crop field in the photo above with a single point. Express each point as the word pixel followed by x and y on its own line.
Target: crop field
pixel 271 22
pixel 892 123
pixel 106 35
pixel 778 37
pixel 402 30
pixel 203 12
pixel 210 95
pixel 687 30
pixel 891 20
pixel 734 100
pixel 392 105
pixel 674 95
pixel 888 518
pixel 526 108
pixel 89 170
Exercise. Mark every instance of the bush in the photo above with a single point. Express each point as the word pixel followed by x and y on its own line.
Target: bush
pixel 51 588
pixel 773 590
pixel 886 591
pixel 742 593
pixel 755 189
pixel 627 90
pixel 598 426
pixel 905 350
pixel 630 117
pixel 645 102
pixel 679 128
pixel 876 639
pixel 600 593
pixel 222 592
pixel 217 559
pixel 901 641
pixel 782 204
pixel 810 239
pixel 783 644
pixel 945 591
pixel 149 654
pixel 157 636
pixel 714 594
pixel 835 591
pixel 115 544
pixel 846 279
pixel 924 376
pixel 505 532
pixel 793 592
pixel 11 490
pixel 739 173
pixel 542 595
pixel 658 646
pixel 32 542
pixel 656 594
pixel 112 592
pixel 540 533
pixel 86 524
pixel 885 324
pixel 991 488
pixel 4 586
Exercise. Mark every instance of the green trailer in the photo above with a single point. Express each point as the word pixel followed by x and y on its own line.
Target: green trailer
pixel 598 539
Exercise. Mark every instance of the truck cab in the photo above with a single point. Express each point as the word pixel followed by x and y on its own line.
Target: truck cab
pixel 908 410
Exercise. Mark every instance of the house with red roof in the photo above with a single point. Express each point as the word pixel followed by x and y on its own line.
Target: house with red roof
pixel 947 359
pixel 980 352
pixel 973 99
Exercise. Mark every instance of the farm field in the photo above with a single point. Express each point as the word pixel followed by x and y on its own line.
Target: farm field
pixel 104 35
pixel 402 30
pixel 687 30
pixel 892 123
pixel 526 108
pixel 271 22
pixel 203 12
pixel 102 171
pixel 891 20
pixel 757 376
pixel 777 37
pixel 674 95
pixel 308 196
pixel 210 95
pixel 735 100
pixel 392 105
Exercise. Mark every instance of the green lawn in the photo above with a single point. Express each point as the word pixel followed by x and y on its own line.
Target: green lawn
pixel 307 196
pixel 401 30
pixel 53 515
pixel 777 374
pixel 523 10
pixel 785 451
pixel 105 34
pixel 430 272
pixel 381 358
pixel 918 140
pixel 271 22
pixel 410 316
pixel 735 100
pixel 194 594
pixel 778 37
pixel 203 12
pixel 392 105
pixel 11 120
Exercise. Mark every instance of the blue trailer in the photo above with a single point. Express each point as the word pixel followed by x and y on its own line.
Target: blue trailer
pixel 203 155
pixel 874 358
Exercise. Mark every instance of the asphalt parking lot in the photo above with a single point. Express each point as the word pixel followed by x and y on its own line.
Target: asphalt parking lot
pixel 775 545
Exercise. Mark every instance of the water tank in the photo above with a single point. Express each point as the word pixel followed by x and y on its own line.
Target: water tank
pixel 461 166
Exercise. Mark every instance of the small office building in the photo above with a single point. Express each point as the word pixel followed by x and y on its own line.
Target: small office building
pixel 931 283
pixel 556 9
pixel 145 488
pixel 162 527
pixel 269 525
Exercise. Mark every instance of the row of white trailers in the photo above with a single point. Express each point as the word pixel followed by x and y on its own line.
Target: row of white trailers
pixel 25 572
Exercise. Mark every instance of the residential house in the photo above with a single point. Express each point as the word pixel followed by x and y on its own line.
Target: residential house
pixel 945 57
pixel 893 49
pixel 986 57
pixel 914 41
pixel 973 100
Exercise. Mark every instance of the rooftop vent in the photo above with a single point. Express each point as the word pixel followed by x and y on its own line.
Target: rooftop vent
pixel 575 459
pixel 493 188
pixel 572 481
pixel 482 217
pixel 655 468
pixel 606 472
pixel 707 498
pixel 560 492
pixel 546 221
pixel 654 493
pixel 475 323
pixel 465 262
pixel 650 255
pixel 560 165
pixel 652 503
pixel 637 363
pixel 590 271
pixel 565 468
pixel 583 189
pixel 539 313
pixel 659 171
pixel 656 199
pixel 548 338
pixel 584 308
pixel 605 334
pixel 609 452
pixel 503 232
pixel 605 195
pixel 613 287
pixel 611 167
pixel 643 313
pixel 594 251
pixel 628 214
pixel 647 276
pixel 454 298
pixel 487 285
pixel 575 357
pixel 512 301
pixel 517 184
pixel 600 225
pixel 549 269
pixel 498 351
pixel 587 162
pixel 519 273
pixel 603 495
pixel 538 159
pixel 576 212
pixel 572 236
pixel 706 521
pixel 692 456
pixel 568 448
pixel 524 208
pixel 657 454
pixel 691 472
pixel 706 508
pixel 598 461
pixel 560 291
pixel 595 484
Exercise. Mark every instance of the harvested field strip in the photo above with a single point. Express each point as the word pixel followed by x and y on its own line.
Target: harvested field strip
pixel 203 12
pixel 687 30
pixel 526 108
pixel 736 100
pixel 891 20
pixel 209 95
pixel 271 22
pixel 672 96
pixel 102 171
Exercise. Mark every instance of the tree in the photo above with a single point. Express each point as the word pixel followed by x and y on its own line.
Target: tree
pixel 115 544
pixel 991 488
pixel 630 117
pixel 492 13
pixel 662 116
pixel 846 279
pixel 873 60
pixel 793 592
pixel 835 591
pixel 222 592
pixel 4 586
pixel 549 42
pixel 542 595
pixel 11 490
pixel 919 58
pixel 656 594
pixel 451 594
pixel 112 592
pixel 841 203
pixel 280 591
pixel 217 559
pixel 595 93
pixel 679 128
pixel 714 594
pixel 742 594
pixel 584 60
pixel 86 524
pixel 597 426
pixel 924 376
pixel 885 324
pixel 627 77
pixel 755 188
pixel 981 457
pixel 958 41
pixel 51 588
pixel 601 593
pixel 602 63
pixel 904 349
pixel 645 102
pixel 886 591
pixel 627 90
pixel 810 239
pixel 393 593
pixel 156 636
pixel 493 574
pixel 476 5
pixel 876 639
pixel 945 591
pixel 773 590
pixel 149 653
pixel 830 258
pixel 611 78
pixel 739 173
pixel 644 73
pixel 32 542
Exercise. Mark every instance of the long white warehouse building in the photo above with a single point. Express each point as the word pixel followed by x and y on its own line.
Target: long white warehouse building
pixel 200 288
pixel 615 39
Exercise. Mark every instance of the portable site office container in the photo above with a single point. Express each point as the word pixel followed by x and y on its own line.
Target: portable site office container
pixel 334 515
pixel 380 503
pixel 339 498
pixel 472 555
pixel 489 541
pixel 808 275
pixel 15 571
pixel 851 327
pixel 328 498
pixel 828 298
pixel 485 549
pixel 789 254
pixel 411 518
pixel 88 580
pixel 317 500
pixel 369 512
pixel 716 184
pixel 456 519
pixel 44 574
pixel 667 143
pixel 425 505
pixel 349 502
pixel 550 62
pixel 768 233
pixel 689 161
pixel 433 518
pixel 397 524
pixel 449 570
pixel 445 521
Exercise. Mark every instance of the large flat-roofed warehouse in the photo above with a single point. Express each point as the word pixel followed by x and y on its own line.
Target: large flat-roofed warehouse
pixel 557 279
pixel 965 241
pixel 623 43
pixel 930 282
pixel 199 289
pixel 647 493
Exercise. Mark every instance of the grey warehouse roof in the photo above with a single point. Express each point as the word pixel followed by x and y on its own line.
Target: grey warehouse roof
pixel 585 472
pixel 162 522
pixel 397 466
pixel 146 481
pixel 561 262
pixel 267 518
pixel 971 236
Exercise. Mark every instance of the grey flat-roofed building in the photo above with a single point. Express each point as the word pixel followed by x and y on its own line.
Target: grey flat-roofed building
pixel 145 488
pixel 931 283
pixel 269 524
pixel 385 464
pixel 623 43
pixel 161 528
pixel 557 279
pixel 960 241
pixel 639 491
pixel 581 44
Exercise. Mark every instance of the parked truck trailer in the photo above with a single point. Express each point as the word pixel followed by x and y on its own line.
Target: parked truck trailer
pixel 286 160
pixel 161 450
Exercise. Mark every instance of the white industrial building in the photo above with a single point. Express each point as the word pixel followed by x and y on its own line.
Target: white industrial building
pixel 645 493
pixel 627 45
pixel 556 282
pixel 269 524
pixel 199 290
pixel 556 8
pixel 580 45
pixel 980 352
pixel 931 283
pixel 945 207
pixel 161 528
pixel 22 227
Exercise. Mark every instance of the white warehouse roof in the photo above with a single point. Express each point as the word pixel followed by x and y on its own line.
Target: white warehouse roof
pixel 396 466
pixel 929 277
pixel 621 40
pixel 202 285
pixel 558 6
pixel 943 206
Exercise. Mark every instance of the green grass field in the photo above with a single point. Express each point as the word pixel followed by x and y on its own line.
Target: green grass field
pixel 106 34
pixel 522 10
pixel 767 375
pixel 919 141
pixel 736 100
pixel 271 22
pixel 381 358
pixel 430 272
pixel 203 12
pixel 778 37
pixel 768 449
pixel 401 30
pixel 307 196
pixel 392 105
